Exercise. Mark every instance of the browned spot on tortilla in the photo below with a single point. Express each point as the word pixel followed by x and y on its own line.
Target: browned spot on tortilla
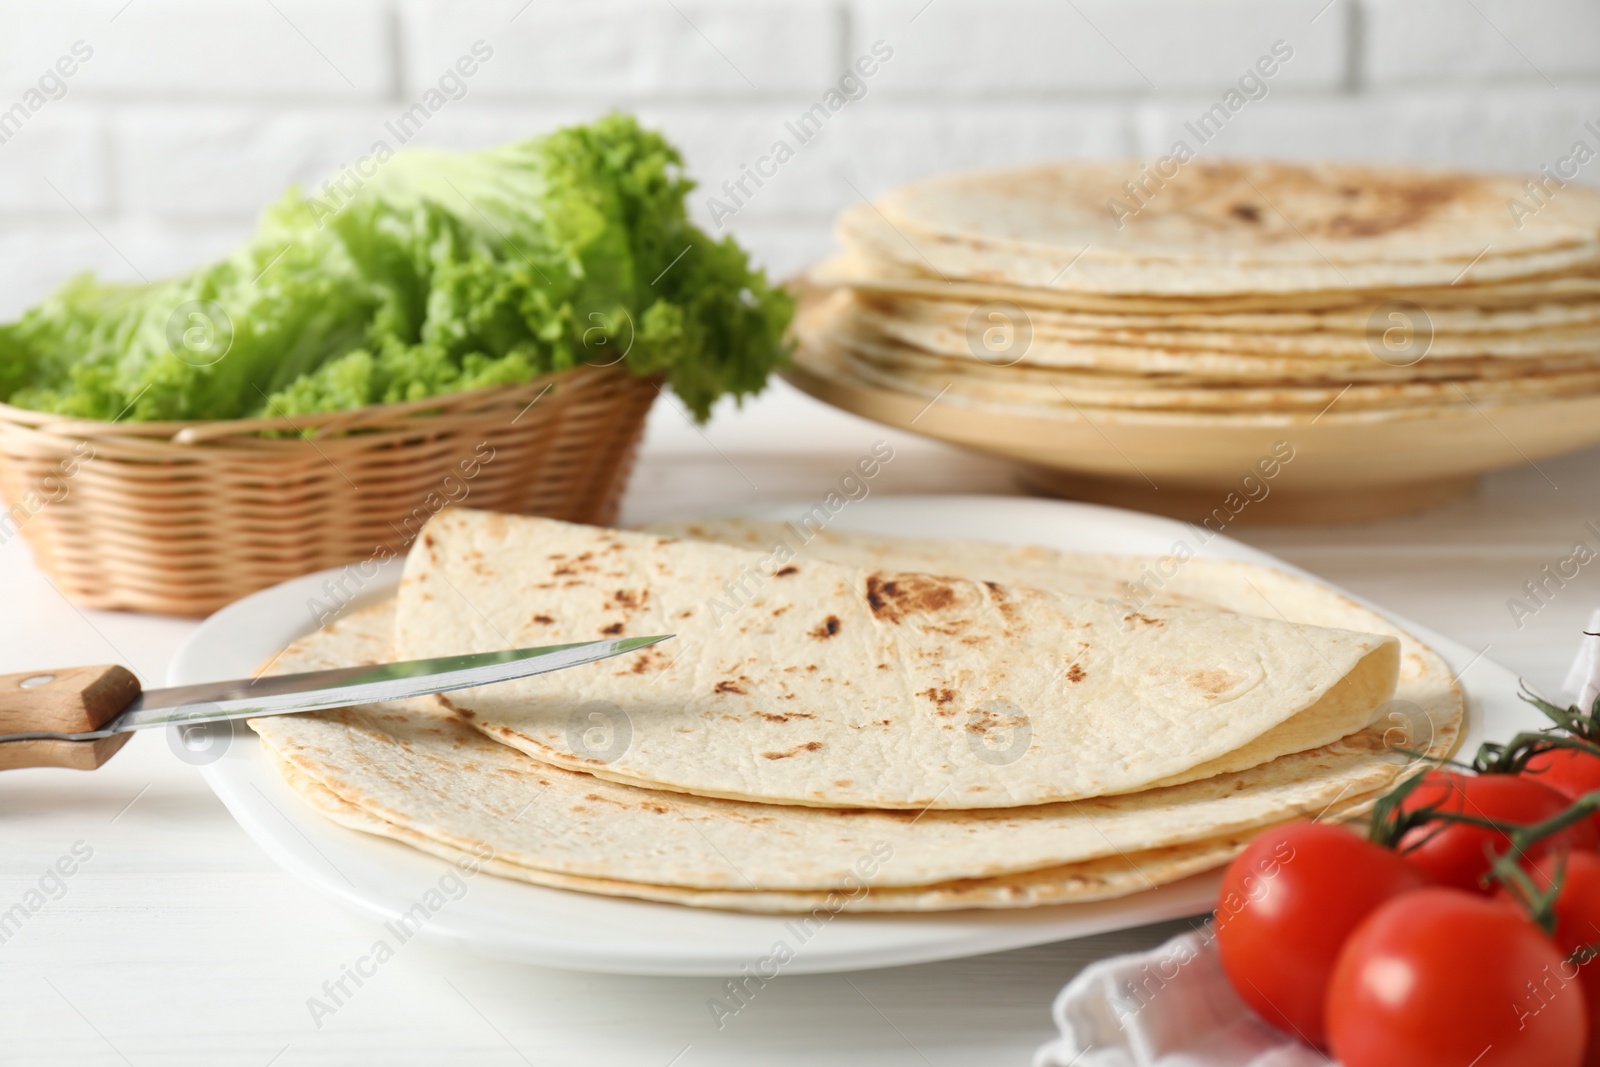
pixel 1076 674
pixel 982 720
pixel 892 599
pixel 1396 209
pixel 613 630
pixel 1209 680
pixel 843 783
pixel 938 696
pixel 1368 206
pixel 543 620
pixel 827 628
pixel 630 598
pixel 809 746
pixel 1145 619
pixel 785 572
pixel 786 716
pixel 780 610
pixel 659 809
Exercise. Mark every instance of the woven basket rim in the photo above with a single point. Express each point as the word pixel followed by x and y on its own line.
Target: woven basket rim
pixel 201 430
pixel 183 527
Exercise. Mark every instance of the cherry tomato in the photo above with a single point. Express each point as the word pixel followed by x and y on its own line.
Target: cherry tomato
pixel 1569 771
pixel 1444 978
pixel 1288 903
pixel 1577 927
pixel 1456 854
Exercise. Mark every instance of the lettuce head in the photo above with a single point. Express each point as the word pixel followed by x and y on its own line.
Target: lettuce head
pixel 416 274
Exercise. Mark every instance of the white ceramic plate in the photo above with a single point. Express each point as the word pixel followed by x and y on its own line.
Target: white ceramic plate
pixel 507 919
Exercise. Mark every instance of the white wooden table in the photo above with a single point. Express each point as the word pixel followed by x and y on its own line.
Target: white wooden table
pixel 177 942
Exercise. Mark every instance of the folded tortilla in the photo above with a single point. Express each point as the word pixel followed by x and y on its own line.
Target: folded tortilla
pixel 793 680
pixel 1427 703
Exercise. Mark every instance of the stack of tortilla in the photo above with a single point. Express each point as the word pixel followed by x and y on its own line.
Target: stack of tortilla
pixel 1228 288
pixel 861 723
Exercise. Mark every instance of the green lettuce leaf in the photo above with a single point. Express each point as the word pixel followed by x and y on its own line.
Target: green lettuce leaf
pixel 420 273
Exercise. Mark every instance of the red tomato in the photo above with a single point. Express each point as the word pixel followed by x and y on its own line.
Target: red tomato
pixel 1288 903
pixel 1458 855
pixel 1569 771
pixel 1444 978
pixel 1577 927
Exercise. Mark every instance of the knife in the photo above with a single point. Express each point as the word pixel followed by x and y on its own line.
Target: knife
pixel 79 717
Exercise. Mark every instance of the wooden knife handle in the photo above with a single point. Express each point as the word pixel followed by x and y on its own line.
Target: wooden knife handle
pixel 68 700
pixel 74 755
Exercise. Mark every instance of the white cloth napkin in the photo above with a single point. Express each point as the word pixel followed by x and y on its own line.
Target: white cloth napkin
pixel 1169 1007
pixel 1173 1006
pixel 1583 681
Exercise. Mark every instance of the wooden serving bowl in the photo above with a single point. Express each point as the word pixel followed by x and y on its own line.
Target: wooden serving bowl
pixel 1213 469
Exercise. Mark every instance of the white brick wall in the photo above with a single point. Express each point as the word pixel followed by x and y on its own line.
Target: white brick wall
pixel 1510 126
pixel 189 115
pixel 1097 47
pixel 285 50
pixel 1551 42
pixel 554 49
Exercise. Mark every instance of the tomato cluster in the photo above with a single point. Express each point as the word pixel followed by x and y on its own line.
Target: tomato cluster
pixel 1462 932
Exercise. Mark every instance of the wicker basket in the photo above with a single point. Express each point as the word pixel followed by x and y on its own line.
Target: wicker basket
pixel 182 518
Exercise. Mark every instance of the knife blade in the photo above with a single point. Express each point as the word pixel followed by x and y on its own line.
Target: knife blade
pixel 81 696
